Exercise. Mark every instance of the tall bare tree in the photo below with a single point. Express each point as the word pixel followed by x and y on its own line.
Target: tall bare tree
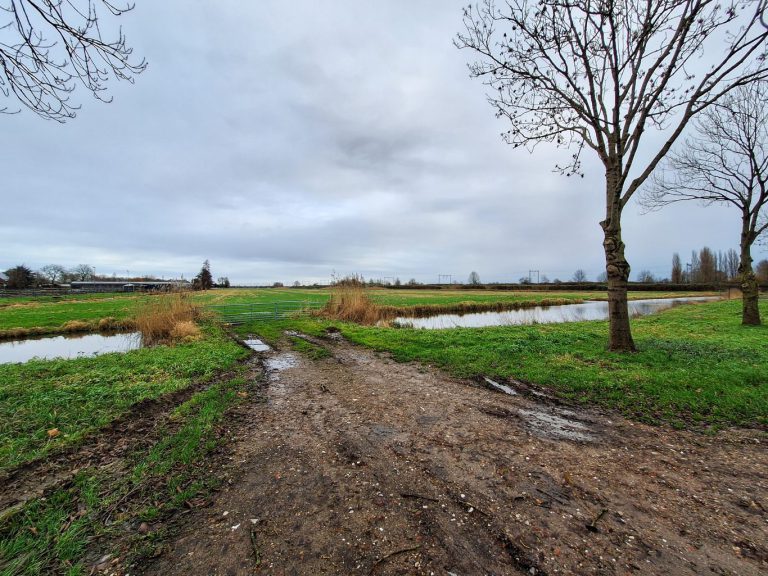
pixel 47 47
pixel 597 74
pixel 725 162
pixel 677 269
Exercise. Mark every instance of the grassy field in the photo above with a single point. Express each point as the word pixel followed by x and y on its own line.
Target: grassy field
pixel 696 365
pixel 78 396
pixel 53 533
pixel 52 314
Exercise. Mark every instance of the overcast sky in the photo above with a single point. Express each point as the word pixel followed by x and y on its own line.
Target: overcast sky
pixel 287 140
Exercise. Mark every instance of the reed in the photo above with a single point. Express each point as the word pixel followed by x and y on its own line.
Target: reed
pixel 166 319
pixel 349 302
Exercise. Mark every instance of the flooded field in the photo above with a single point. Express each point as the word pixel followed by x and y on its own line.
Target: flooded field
pixel 68 346
pixel 544 314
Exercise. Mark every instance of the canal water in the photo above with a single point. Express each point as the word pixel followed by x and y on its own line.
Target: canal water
pixel 544 314
pixel 67 346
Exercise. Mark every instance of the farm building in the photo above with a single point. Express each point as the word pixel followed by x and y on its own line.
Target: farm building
pixel 132 286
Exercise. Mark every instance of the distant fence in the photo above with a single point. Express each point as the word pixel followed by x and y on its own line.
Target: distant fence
pixel 263 311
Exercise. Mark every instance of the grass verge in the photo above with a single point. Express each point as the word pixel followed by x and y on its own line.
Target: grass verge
pixel 79 396
pixel 53 535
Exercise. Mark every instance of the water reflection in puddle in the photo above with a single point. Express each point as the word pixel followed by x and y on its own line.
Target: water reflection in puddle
pixel 544 314
pixel 556 426
pixel 280 362
pixel 257 345
pixel 500 387
pixel 67 346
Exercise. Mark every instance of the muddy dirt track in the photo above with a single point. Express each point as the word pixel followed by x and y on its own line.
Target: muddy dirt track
pixel 360 465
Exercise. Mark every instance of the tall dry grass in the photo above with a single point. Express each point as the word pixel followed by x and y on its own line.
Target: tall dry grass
pixel 349 302
pixel 168 318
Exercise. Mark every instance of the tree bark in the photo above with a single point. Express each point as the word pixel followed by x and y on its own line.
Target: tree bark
pixel 617 268
pixel 750 312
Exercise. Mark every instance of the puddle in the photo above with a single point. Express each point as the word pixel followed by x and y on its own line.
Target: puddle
pixel 257 345
pixel 67 346
pixel 280 362
pixel 544 314
pixel 500 387
pixel 557 426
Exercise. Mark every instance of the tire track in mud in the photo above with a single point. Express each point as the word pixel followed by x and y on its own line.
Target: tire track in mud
pixel 360 465
pixel 139 428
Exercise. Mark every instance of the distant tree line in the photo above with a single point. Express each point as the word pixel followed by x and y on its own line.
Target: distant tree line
pixel 21 276
pixel 53 275
pixel 709 267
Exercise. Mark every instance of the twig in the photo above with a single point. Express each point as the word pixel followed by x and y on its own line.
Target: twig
pixel 417 496
pixel 395 553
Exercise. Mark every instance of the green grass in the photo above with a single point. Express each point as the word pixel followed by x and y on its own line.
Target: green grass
pixel 309 349
pixel 52 313
pixel 696 364
pixel 51 535
pixel 79 396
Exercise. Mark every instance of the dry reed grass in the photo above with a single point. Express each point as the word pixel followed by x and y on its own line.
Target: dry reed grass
pixel 349 302
pixel 186 331
pixel 166 319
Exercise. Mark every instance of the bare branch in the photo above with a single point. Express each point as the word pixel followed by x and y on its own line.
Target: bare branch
pixel 47 47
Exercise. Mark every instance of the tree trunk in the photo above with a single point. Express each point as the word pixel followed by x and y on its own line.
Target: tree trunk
pixel 750 312
pixel 617 268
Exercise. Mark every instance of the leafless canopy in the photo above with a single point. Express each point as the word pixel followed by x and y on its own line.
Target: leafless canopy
pixel 724 161
pixel 596 73
pixel 47 47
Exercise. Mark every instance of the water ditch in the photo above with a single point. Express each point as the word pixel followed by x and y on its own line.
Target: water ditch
pixel 544 314
pixel 67 346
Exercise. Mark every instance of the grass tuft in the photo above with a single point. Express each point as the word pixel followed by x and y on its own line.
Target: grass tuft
pixel 166 319
pixel 350 302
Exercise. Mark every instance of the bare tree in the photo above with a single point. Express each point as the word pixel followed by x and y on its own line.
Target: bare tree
pixel 53 272
pixel 725 162
pixel 646 277
pixel 579 276
pixel 677 269
pixel 597 74
pixel 83 272
pixel 474 278
pixel 761 270
pixel 707 266
pixel 731 264
pixel 47 47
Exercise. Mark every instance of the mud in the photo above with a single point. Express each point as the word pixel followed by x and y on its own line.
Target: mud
pixel 359 465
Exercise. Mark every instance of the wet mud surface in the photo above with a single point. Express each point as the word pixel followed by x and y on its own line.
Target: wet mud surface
pixel 359 465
